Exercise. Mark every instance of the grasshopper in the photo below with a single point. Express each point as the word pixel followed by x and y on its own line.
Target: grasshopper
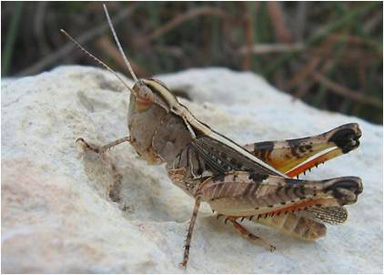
pixel 253 181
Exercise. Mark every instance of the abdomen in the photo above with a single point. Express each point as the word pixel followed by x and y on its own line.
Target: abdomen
pixel 296 226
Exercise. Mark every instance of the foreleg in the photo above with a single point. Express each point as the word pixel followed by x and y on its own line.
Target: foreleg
pixel 101 149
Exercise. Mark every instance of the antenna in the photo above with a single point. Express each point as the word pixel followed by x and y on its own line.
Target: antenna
pixel 97 60
pixel 118 45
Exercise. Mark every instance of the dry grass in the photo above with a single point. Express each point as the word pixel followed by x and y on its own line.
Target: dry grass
pixel 327 53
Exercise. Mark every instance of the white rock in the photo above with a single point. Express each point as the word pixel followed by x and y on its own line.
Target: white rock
pixel 57 215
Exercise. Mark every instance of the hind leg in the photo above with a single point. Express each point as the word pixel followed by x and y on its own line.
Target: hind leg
pixel 294 156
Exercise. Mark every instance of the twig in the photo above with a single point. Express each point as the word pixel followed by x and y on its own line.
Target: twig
pixel 271 48
pixel 346 92
pixel 316 38
pixel 309 82
pixel 249 37
pixel 353 39
pixel 350 57
pixel 280 79
pixel 301 20
pixel 374 21
pixel 362 79
pixel 82 39
pixel 179 19
pixel 39 28
pixel 362 75
pixel 302 74
pixel 276 12
pixel 173 51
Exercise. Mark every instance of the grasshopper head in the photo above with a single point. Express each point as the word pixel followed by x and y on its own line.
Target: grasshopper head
pixel 152 91
pixel 157 133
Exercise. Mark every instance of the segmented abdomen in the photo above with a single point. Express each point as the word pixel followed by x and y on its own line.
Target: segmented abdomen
pixel 296 226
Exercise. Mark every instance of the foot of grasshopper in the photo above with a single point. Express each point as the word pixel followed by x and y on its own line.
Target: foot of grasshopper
pixel 245 233
pixel 101 149
pixel 106 160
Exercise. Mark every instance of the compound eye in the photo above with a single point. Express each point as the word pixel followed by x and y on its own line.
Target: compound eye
pixel 146 91
pixel 142 90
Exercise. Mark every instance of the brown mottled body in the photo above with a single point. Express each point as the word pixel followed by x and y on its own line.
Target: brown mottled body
pixel 237 187
pixel 209 167
pixel 238 182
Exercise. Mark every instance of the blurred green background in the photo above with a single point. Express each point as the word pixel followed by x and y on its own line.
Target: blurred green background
pixel 329 54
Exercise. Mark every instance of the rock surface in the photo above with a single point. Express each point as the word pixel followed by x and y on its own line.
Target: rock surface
pixel 62 212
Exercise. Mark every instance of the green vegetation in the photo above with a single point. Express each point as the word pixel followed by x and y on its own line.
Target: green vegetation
pixel 329 54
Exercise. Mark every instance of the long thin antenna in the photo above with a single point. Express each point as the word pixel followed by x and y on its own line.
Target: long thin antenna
pixel 119 46
pixel 96 59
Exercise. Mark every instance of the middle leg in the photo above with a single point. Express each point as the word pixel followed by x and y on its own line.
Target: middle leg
pixel 190 231
pixel 246 234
